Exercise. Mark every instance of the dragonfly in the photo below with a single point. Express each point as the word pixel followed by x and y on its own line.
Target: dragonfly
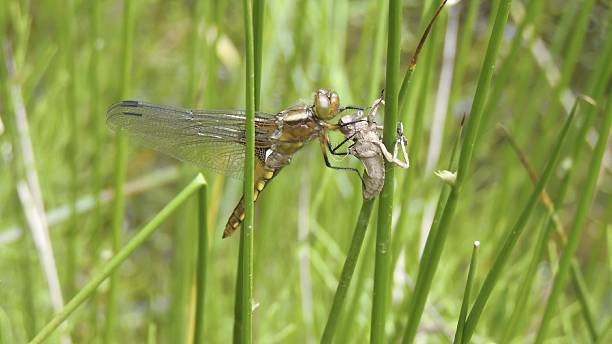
pixel 367 146
pixel 215 139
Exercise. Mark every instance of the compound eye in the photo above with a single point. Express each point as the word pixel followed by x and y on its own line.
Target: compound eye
pixel 326 104
pixel 334 104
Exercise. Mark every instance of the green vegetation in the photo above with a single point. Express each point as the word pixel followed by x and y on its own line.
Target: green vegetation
pixel 134 250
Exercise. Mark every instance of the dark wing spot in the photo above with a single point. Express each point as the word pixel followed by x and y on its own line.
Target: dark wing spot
pixel 130 103
pixel 132 113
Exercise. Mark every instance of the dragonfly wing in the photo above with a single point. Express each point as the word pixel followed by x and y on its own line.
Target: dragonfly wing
pixel 209 139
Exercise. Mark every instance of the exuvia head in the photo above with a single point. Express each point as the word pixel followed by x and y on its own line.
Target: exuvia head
pixel 346 125
pixel 326 104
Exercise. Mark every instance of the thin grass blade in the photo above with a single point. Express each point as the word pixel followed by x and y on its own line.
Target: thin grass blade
pixel 120 166
pixel 382 266
pixel 513 234
pixel 586 199
pixel 347 271
pixel 467 294
pixel 90 288
pixel 428 267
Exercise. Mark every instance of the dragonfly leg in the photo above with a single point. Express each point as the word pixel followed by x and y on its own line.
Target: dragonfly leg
pixel 400 141
pixel 324 146
pixel 328 164
pixel 358 108
pixel 334 150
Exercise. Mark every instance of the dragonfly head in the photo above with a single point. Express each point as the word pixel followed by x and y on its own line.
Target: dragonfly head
pixel 326 104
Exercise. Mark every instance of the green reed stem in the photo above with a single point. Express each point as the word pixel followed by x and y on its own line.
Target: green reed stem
pixel 463 45
pixel 510 330
pixel 377 52
pixel 442 199
pixel 508 67
pixel 347 271
pixel 400 233
pixel 152 333
pixel 73 119
pixel 428 268
pixel 98 134
pixel 574 48
pixel 606 333
pixel 201 265
pixel 385 208
pixel 596 89
pixel 513 234
pixel 120 166
pixel 467 294
pixel 245 334
pixel 541 244
pixel 586 199
pixel 405 87
pixel 429 63
pixel 94 101
pixel 258 26
pixel 195 51
pixel 346 328
pixel 184 237
pixel 107 270
pixel 238 315
pixel 583 298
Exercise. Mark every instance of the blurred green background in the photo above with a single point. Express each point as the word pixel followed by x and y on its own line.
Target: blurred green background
pixel 61 69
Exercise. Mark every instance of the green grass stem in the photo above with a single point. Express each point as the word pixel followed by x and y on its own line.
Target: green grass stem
pixel 520 301
pixel 382 263
pixel 120 167
pixel 399 236
pixel 583 298
pixel 571 50
pixel 211 63
pixel 191 54
pixel 107 270
pixel 244 316
pixel 405 86
pixel 374 79
pixel 195 51
pixel 553 221
pixel 72 150
pixel 513 234
pixel 238 314
pixel 152 333
pixel 508 66
pixel 596 88
pixel 99 132
pixel 363 271
pixel 201 265
pixel 258 27
pixel 463 45
pixel 465 304
pixel 442 198
pixel 184 237
pixel 606 333
pixel 347 271
pixel 421 105
pixel 574 47
pixel 428 268
pixel 586 199
pixel 98 121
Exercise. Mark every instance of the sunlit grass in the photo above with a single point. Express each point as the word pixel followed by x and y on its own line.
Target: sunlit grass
pixel 69 69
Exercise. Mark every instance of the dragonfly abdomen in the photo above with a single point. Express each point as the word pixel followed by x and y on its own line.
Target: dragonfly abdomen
pixel 374 167
pixel 263 175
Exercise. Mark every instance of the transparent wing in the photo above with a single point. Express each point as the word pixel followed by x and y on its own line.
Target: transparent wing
pixel 211 139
